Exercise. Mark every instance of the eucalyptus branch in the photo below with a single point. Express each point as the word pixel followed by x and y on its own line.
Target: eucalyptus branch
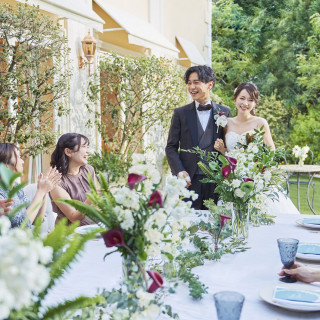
pixel 139 265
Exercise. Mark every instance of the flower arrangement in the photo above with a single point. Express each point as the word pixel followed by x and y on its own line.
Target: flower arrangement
pixel 142 223
pixel 245 176
pixel 300 153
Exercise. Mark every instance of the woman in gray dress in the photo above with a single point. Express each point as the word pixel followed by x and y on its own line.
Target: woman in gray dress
pixel 10 156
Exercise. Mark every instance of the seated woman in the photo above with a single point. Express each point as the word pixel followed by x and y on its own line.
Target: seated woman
pixel 70 157
pixel 49 217
pixel 10 156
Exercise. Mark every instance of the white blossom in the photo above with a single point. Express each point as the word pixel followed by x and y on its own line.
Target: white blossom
pixel 236 183
pixel 153 235
pixel 138 158
pixel 144 298
pixel 239 193
pixel 22 272
pixel 128 198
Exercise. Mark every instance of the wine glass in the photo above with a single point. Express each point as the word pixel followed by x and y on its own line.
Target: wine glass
pixel 228 305
pixel 288 249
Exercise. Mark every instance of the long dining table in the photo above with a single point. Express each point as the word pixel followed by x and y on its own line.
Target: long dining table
pixel 247 272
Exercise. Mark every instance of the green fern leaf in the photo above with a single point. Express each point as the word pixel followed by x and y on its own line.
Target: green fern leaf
pixel 86 209
pixel 63 309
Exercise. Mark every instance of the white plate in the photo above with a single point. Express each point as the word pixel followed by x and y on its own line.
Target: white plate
pixel 86 229
pixel 307 225
pixel 266 294
pixel 308 257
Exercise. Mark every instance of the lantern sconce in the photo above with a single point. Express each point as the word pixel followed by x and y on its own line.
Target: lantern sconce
pixel 89 45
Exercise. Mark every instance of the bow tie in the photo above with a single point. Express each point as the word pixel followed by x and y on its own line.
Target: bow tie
pixel 203 107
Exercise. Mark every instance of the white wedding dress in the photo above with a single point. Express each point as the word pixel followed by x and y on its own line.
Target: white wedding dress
pixel 284 205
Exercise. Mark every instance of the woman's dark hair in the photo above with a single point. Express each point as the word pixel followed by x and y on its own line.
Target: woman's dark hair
pixel 71 141
pixel 205 74
pixel 6 152
pixel 252 89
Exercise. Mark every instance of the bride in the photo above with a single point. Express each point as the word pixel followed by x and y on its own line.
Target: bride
pixel 246 97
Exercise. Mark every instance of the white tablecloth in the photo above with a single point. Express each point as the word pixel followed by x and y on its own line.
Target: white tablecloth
pixel 246 272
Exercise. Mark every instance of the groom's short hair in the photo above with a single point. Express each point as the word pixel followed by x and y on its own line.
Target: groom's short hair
pixel 205 73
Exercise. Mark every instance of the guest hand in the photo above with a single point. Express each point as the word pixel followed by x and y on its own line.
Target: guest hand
pixel 302 273
pixel 49 180
pixel 185 175
pixel 5 205
pixel 219 146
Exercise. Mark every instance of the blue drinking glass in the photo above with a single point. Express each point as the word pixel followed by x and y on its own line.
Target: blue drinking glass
pixel 288 249
pixel 228 305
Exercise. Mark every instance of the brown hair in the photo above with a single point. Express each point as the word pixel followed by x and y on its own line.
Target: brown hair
pixel 251 88
pixel 6 152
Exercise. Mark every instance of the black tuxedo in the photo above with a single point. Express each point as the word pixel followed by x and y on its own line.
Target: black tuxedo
pixel 183 134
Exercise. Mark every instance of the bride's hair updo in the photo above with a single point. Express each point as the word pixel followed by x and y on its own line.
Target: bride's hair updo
pixel 252 89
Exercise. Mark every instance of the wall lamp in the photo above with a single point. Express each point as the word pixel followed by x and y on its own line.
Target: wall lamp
pixel 89 45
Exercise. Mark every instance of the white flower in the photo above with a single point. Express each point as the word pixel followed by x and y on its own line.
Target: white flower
pixel 194 196
pixel 242 139
pixel 127 220
pixel 267 176
pixel 144 298
pixel 236 183
pixel 160 218
pixel 221 121
pixel 259 185
pixel 153 250
pixel 255 149
pixel 22 272
pixel 138 158
pixel 305 150
pixel 153 174
pixel 5 225
pixel 154 236
pixel 296 151
pixel 239 193
pixel 128 198
pixel 151 311
pixel 120 314
pixel 229 205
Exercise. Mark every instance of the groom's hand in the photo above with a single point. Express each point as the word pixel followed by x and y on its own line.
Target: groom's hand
pixel 185 176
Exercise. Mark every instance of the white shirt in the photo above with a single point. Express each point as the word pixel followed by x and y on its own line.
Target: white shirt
pixel 203 115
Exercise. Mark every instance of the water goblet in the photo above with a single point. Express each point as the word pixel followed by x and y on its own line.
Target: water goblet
pixel 288 249
pixel 228 305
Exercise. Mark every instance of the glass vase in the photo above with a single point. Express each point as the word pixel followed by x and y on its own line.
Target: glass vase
pixel 240 221
pixel 131 271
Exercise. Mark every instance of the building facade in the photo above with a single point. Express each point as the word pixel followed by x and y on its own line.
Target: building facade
pixel 176 29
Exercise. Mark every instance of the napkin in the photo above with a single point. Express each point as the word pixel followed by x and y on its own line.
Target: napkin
pixel 297 297
pixel 311 221
pixel 309 248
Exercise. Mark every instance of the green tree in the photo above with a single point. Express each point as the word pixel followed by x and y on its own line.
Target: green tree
pixel 275 44
pixel 306 131
pixel 306 128
pixel 34 77
pixel 273 110
pixel 136 94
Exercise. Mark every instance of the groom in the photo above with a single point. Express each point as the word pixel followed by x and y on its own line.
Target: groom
pixel 194 125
